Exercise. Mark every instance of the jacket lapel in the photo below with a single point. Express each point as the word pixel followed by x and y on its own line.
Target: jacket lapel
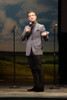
pixel 36 27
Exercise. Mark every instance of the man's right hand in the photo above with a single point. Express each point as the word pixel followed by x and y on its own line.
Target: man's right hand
pixel 28 29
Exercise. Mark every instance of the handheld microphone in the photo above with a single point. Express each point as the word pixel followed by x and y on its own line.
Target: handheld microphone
pixel 29 33
pixel 30 24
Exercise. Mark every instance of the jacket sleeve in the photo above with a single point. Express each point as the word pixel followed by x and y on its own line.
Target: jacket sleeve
pixel 24 34
pixel 43 30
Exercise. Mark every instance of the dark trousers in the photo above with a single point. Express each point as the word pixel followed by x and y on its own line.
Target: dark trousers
pixel 36 68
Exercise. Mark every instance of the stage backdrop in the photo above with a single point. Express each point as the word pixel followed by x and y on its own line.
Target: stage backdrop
pixel 14 12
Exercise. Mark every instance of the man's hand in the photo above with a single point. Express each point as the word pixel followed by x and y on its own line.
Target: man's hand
pixel 44 34
pixel 28 29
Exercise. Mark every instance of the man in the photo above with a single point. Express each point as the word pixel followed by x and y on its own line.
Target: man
pixel 34 33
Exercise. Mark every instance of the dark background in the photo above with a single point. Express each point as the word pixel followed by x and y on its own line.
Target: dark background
pixel 62 38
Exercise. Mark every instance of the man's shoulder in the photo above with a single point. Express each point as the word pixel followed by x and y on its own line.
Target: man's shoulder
pixel 40 24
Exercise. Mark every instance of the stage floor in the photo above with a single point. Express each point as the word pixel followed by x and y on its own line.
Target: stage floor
pixel 21 91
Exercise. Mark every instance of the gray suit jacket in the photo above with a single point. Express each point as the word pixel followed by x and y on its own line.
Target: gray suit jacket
pixel 34 41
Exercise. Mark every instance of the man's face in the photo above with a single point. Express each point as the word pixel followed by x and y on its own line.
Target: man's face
pixel 32 17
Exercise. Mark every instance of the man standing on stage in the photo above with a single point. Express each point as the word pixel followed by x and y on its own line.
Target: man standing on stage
pixel 34 33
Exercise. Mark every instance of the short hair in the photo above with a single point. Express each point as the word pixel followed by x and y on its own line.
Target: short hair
pixel 30 12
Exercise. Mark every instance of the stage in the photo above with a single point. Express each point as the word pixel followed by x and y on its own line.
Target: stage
pixel 21 92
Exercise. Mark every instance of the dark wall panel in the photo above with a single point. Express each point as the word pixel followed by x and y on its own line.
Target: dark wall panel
pixel 63 41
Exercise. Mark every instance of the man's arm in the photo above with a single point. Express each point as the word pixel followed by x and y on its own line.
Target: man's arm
pixel 24 35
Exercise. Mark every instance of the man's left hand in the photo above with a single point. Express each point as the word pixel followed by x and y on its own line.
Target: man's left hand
pixel 44 34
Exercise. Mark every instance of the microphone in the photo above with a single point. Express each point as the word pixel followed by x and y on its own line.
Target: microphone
pixel 29 33
pixel 56 25
pixel 30 24
pixel 13 29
